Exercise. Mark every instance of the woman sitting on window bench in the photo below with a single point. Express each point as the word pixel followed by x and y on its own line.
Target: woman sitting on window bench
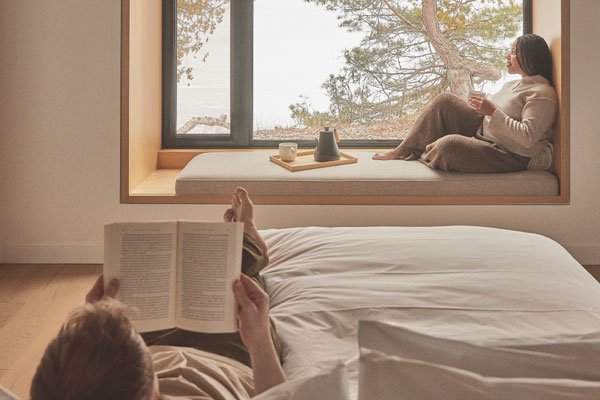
pixel 501 135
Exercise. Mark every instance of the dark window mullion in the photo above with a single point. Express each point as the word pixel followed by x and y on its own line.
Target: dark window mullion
pixel 527 17
pixel 169 72
pixel 242 16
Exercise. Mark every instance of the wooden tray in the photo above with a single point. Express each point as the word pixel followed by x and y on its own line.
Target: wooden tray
pixel 306 160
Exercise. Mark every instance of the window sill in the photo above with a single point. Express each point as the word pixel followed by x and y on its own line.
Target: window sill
pixel 159 187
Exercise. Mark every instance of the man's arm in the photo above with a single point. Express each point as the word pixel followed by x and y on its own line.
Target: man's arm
pixel 253 319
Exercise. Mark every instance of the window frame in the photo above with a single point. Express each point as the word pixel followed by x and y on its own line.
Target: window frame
pixel 241 85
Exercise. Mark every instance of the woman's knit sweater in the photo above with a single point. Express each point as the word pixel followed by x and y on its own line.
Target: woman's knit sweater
pixel 525 113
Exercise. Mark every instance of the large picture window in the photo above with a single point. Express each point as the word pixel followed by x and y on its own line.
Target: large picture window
pixel 253 73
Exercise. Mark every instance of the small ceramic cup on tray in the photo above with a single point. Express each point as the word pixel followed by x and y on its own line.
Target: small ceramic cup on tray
pixel 288 151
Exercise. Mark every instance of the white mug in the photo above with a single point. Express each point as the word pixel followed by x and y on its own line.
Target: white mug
pixel 288 151
pixel 477 93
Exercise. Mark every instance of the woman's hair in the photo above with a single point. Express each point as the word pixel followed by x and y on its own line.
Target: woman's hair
pixel 533 56
pixel 97 355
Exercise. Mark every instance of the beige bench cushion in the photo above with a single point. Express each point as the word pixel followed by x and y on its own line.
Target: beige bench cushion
pixel 220 173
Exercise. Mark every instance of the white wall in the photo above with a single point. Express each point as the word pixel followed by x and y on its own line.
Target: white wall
pixel 60 153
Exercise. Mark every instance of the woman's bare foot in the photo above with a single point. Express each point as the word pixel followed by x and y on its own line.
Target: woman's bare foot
pixel 386 155
pixel 242 210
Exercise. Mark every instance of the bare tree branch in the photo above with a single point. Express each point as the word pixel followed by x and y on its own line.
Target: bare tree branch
pixel 208 121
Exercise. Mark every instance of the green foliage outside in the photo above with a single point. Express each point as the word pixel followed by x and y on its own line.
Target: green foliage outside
pixel 196 21
pixel 403 61
pixel 396 69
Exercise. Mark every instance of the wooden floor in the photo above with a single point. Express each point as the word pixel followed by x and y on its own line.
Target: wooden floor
pixel 34 302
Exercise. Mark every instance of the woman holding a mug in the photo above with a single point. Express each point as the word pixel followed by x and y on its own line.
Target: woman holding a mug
pixel 497 135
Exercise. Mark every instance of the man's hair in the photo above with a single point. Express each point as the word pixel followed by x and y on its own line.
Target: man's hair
pixel 533 56
pixel 96 355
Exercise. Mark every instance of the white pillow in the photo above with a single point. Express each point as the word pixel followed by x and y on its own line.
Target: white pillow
pixel 329 383
pixel 396 363
pixel 568 360
pixel 384 377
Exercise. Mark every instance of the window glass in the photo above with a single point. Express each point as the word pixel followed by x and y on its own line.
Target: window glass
pixel 369 69
pixel 366 68
pixel 203 73
pixel 297 45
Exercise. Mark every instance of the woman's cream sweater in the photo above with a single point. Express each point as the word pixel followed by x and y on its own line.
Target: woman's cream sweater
pixel 525 112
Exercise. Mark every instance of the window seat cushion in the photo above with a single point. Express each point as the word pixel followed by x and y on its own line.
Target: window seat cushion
pixel 220 173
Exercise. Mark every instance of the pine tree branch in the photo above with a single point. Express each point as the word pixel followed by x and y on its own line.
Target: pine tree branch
pixel 399 15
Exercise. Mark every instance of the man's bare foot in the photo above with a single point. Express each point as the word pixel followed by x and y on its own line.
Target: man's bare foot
pixel 386 155
pixel 242 209
pixel 228 215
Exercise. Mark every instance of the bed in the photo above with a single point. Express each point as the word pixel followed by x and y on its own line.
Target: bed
pixel 484 286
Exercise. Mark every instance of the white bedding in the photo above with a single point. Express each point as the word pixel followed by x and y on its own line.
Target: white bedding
pixel 481 285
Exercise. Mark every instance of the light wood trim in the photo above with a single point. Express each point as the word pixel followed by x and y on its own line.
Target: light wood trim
pixel 551 21
pixel 177 159
pixel 145 88
pixel 351 200
pixel 124 195
pixel 564 141
pixel 161 182
pixel 141 92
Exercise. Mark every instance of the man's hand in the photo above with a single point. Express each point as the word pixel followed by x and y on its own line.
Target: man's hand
pixel 97 291
pixel 482 105
pixel 253 312
pixel 253 319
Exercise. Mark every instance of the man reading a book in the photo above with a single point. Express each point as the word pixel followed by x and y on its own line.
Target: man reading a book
pixel 99 355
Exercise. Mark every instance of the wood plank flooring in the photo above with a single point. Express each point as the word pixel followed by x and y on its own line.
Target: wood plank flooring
pixel 34 302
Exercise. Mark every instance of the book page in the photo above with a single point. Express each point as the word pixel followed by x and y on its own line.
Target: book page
pixel 210 259
pixel 143 257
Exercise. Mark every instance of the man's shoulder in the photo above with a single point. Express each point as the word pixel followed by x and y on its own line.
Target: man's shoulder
pixel 197 373
pixel 170 352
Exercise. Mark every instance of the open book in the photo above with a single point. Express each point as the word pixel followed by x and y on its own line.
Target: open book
pixel 176 273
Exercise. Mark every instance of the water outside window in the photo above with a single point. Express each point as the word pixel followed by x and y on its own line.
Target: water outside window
pixel 367 70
